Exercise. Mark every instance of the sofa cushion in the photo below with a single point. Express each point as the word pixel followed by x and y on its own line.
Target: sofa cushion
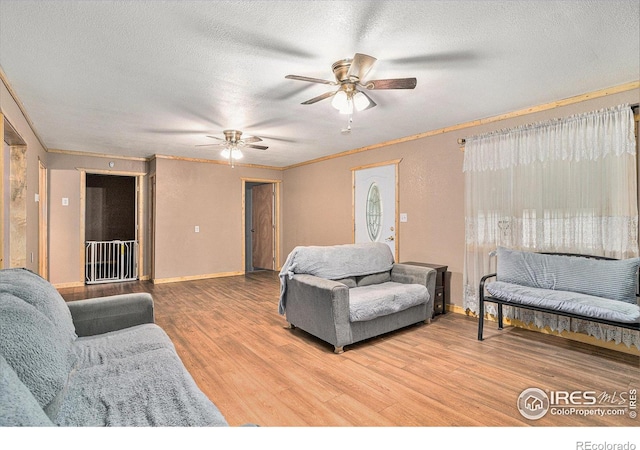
pixel 132 377
pixel 339 261
pixel 107 347
pixel 334 262
pixel 42 295
pixel 567 301
pixel 349 282
pixel 373 278
pixel 31 346
pixel 614 279
pixel 375 300
pixel 18 406
pixel 151 388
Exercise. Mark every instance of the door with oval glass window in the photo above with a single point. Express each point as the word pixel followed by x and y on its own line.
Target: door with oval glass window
pixel 375 201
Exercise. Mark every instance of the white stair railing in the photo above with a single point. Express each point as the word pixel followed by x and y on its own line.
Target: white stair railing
pixel 110 261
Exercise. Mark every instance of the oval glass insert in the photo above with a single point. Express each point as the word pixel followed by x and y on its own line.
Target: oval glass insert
pixel 374 212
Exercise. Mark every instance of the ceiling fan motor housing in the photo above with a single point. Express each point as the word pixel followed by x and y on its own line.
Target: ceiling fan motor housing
pixel 341 70
pixel 232 136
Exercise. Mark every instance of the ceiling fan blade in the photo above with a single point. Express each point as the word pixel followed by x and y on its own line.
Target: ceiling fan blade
pixel 393 83
pixel 310 79
pixel 319 97
pixel 209 145
pixel 371 102
pixel 361 65
pixel 435 58
pixel 215 137
pixel 277 138
pixel 251 139
pixel 259 147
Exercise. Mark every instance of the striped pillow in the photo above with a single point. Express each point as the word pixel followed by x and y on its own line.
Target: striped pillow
pixel 613 279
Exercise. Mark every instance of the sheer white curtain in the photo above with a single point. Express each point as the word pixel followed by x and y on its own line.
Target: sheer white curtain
pixel 565 185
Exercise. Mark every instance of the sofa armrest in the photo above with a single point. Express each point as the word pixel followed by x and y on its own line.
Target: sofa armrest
pixel 103 314
pixel 320 307
pixel 410 274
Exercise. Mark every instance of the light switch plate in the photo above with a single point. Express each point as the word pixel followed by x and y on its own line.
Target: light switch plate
pixel 403 217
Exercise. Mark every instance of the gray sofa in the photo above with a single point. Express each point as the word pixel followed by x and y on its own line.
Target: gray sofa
pixel 96 362
pixel 344 294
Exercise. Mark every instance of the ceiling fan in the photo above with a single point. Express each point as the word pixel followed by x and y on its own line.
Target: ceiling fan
pixel 233 143
pixel 349 74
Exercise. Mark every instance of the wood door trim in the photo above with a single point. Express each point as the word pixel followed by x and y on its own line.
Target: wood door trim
pixel 262 231
pixel 139 192
pixel 43 220
pixel 396 162
pixel 278 193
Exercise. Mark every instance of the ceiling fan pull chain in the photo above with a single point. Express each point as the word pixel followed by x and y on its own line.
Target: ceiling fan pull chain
pixel 348 129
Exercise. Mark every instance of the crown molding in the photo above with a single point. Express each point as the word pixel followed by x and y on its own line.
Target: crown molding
pixel 215 161
pixel 519 113
pixel 21 107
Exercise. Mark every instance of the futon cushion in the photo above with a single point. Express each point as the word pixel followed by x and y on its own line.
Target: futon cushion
pixel 613 279
pixel 376 300
pixel 31 346
pixel 18 406
pixel 567 301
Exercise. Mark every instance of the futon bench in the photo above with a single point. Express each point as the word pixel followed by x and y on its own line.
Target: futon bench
pixel 597 289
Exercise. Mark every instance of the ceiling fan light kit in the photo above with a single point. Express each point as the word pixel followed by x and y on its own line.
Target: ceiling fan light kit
pixel 233 153
pixel 347 102
pixel 232 143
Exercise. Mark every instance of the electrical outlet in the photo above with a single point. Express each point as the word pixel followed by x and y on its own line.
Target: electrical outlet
pixel 197 229
pixel 65 201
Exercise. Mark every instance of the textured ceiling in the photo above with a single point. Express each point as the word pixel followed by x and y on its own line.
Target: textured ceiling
pixel 139 78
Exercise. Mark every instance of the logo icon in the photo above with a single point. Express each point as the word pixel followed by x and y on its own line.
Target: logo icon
pixel 533 403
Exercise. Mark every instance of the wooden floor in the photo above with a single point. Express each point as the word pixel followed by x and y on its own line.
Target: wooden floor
pixel 233 341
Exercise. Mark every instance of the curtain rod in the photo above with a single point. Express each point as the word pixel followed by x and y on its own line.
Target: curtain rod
pixel 635 108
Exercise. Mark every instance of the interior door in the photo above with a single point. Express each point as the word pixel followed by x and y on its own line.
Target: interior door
pixel 375 198
pixel 262 229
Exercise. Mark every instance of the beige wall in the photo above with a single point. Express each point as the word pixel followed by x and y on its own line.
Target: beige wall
pixel 317 197
pixel 318 201
pixel 208 195
pixel 66 169
pixel 65 249
pixel 35 151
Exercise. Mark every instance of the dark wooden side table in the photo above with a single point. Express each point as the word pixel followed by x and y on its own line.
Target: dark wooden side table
pixel 439 303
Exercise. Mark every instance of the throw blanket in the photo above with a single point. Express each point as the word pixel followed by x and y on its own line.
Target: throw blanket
pixel 335 262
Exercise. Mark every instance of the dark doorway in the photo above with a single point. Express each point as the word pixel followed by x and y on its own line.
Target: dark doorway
pixel 110 229
pixel 110 208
